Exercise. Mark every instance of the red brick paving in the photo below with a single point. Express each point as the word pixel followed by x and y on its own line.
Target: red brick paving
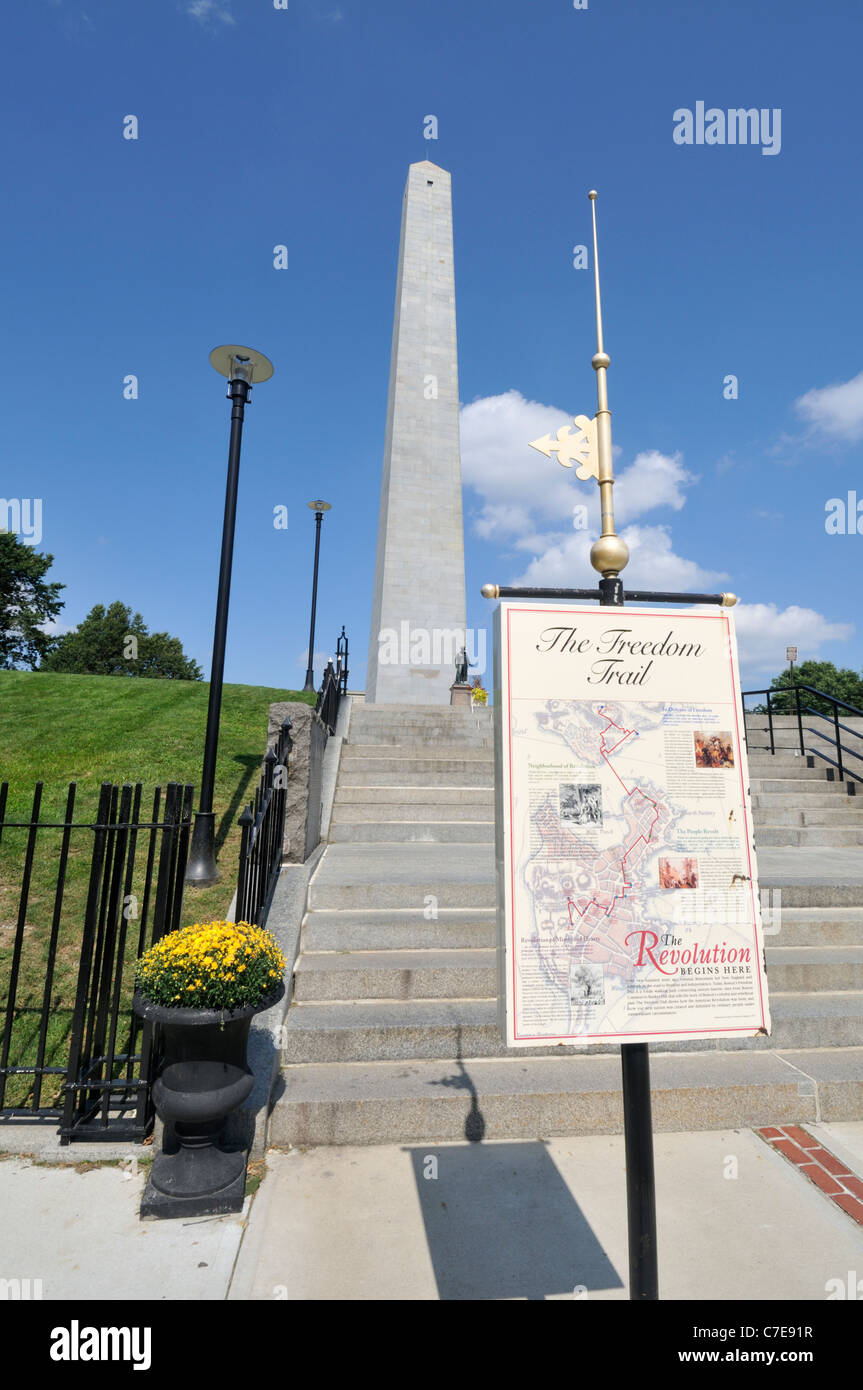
pixel 789 1150
pixel 800 1137
pixel 821 1167
pixel 827 1160
pixel 823 1180
pixel 852 1206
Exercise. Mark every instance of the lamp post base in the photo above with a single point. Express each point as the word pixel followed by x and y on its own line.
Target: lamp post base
pixel 309 687
pixel 201 867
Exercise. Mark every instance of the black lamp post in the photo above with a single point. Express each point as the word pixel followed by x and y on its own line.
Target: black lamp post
pixel 242 366
pixel 318 508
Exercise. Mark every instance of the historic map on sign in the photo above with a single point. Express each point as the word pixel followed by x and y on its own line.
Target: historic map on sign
pixel 631 878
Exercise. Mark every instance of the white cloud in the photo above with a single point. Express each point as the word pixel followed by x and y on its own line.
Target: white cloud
pixel 652 563
pixel 210 11
pixel 526 504
pixel 527 501
pixel 521 489
pixel 764 631
pixel 837 410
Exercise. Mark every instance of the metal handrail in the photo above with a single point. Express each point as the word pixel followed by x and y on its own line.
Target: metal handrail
pixel 835 703
pixel 330 693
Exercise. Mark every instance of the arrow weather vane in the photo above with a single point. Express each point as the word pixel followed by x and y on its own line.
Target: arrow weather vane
pixel 590 445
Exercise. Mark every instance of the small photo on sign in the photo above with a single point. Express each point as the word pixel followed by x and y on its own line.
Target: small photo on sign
pixel 678 873
pixel 713 749
pixel 580 803
pixel 587 984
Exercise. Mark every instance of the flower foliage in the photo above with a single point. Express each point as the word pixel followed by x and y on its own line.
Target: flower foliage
pixel 211 965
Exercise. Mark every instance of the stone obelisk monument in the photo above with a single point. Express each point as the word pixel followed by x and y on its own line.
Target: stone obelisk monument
pixel 418 613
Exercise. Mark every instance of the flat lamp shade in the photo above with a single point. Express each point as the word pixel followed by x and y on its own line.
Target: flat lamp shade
pixel 244 363
pixel 320 506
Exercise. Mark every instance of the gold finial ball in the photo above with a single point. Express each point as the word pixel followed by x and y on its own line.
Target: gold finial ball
pixel 600 359
pixel 491 591
pixel 592 194
pixel 609 555
pixel 729 600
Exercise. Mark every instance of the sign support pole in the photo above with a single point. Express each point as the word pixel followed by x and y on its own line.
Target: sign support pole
pixel 637 1122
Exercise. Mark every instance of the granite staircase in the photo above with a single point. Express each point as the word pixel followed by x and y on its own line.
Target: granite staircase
pixel 392 1032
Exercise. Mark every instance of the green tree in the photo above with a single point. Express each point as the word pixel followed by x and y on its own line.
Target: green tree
pixel 115 642
pixel 27 603
pixel 841 682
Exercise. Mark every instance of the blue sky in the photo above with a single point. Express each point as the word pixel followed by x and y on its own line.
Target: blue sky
pixel 260 127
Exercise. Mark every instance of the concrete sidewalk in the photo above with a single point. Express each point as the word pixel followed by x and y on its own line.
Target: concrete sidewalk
pixel 544 1220
pixel 457 1221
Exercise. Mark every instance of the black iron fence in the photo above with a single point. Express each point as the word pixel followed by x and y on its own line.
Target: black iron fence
pixel 800 700
pixel 79 902
pixel 263 826
pixel 342 661
pixel 330 694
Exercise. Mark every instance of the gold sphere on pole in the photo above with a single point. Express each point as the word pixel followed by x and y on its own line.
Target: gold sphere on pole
pixel 609 555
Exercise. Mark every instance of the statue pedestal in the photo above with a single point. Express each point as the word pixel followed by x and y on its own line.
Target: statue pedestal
pixel 460 695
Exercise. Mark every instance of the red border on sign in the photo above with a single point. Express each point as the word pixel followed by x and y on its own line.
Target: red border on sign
pixel 581 1038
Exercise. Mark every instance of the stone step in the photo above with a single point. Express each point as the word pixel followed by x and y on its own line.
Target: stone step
pixel 525 1096
pixel 394 772
pixel 390 809
pixel 779 756
pixel 811 926
pixel 833 837
pixel 461 832
pixel 813 895
pixel 437 751
pixel 829 795
pixel 353 975
pixel 406 876
pixel 457 928
pixel 777 769
pixel 463 726
pixel 810 968
pixel 792 786
pixel 453 928
pixel 842 815
pixel 389 1030
pixel 432 796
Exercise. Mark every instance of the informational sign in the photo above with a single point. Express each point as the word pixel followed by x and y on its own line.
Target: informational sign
pixel 628 903
pixel 790 653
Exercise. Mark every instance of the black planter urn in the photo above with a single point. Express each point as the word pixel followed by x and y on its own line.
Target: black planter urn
pixel 204 1076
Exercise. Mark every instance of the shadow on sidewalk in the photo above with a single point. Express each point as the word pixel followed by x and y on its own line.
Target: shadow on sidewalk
pixel 501 1223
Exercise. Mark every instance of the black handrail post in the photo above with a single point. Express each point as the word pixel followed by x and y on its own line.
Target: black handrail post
pixel 637 1123
pixel 342 657
pixel 838 743
pixel 770 722
pixel 799 720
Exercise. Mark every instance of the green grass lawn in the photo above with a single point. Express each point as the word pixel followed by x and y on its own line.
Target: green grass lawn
pixel 90 729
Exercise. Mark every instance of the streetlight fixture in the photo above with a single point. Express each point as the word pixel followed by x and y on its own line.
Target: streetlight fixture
pixel 318 508
pixel 243 367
